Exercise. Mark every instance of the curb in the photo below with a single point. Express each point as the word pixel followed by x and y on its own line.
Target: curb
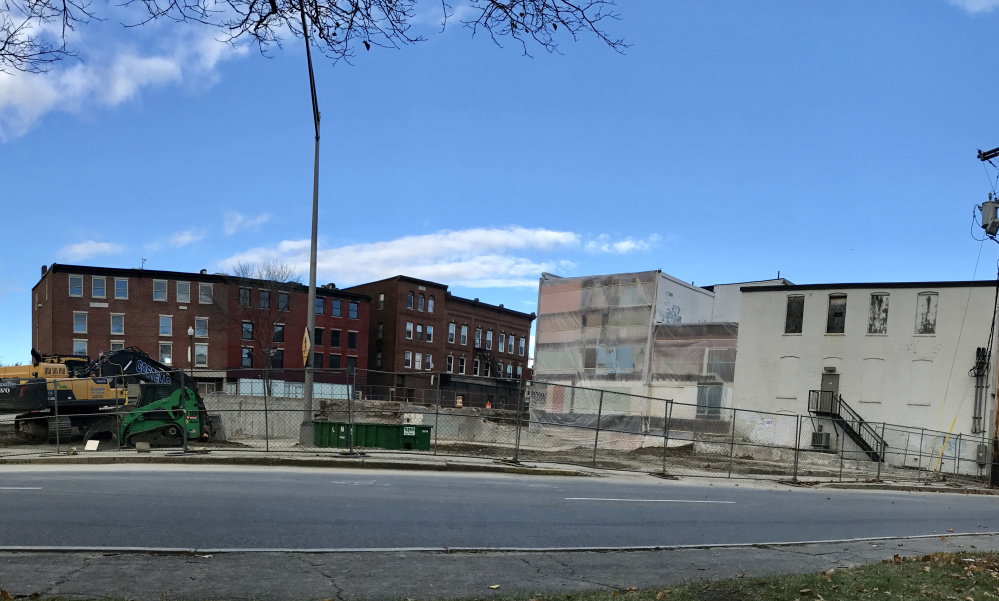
pixel 332 462
pixel 909 488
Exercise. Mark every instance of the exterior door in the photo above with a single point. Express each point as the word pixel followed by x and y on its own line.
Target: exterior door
pixel 830 384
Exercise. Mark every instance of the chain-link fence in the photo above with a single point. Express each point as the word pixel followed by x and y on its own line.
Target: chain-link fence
pixel 378 412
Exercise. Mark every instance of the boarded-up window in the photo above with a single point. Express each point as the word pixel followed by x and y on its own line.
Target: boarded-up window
pixel 795 314
pixel 877 319
pixel 871 380
pixel 787 380
pixel 836 322
pixel 926 313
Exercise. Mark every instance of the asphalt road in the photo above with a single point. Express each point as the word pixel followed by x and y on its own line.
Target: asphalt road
pixel 222 508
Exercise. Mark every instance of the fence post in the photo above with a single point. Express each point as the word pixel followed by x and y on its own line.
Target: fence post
pixel 884 448
pixel 957 464
pixel 55 396
pixel 437 413
pixel 668 415
pixel 520 418
pixel 797 447
pixel 731 442
pixel 842 452
pixel 117 417
pixel 596 437
pixel 267 428
pixel 919 461
pixel 350 414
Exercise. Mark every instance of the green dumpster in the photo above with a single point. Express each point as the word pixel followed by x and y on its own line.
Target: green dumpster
pixel 394 437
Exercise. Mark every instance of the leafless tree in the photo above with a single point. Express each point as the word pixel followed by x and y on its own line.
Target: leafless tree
pixel 261 297
pixel 335 27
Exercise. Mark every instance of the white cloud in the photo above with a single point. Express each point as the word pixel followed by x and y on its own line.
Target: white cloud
pixel 233 222
pixel 88 250
pixel 113 73
pixel 604 244
pixel 976 6
pixel 478 257
pixel 178 240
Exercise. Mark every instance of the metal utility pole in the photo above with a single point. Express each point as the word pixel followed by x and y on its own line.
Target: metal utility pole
pixel 989 213
pixel 306 433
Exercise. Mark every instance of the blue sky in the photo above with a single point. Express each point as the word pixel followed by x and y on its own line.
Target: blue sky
pixel 830 141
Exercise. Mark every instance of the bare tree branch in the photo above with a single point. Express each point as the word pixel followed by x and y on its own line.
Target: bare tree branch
pixel 336 27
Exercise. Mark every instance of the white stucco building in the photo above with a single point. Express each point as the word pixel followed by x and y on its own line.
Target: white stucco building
pixel 902 353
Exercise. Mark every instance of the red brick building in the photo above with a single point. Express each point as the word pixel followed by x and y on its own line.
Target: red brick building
pixel 417 328
pixel 199 321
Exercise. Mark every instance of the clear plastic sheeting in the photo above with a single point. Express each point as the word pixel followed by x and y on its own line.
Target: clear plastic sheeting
pixel 643 333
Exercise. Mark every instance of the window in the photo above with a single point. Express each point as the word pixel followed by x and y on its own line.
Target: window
pixel 450 363
pixel 378 359
pixel 407 359
pixel 117 323
pixel 80 348
pixel 520 371
pixel 317 360
pixel 335 338
pixel 409 300
pixel 380 330
pixel 420 302
pixel 450 333
pixel 428 361
pixel 246 357
pixel 201 327
pixel 419 332
pixel 98 286
pixel 351 363
pixel 499 369
pixel 926 313
pixel 409 330
pixel 795 313
pixel 201 355
pixel 430 304
pixel 244 298
pixel 166 353
pixel 278 333
pixel 79 322
pixel 319 336
pixel 502 342
pixel 117 345
pixel 263 299
pixel 160 290
pixel 381 301
pixel 277 358
pixel 352 310
pixel 523 346
pixel 205 294
pixel 320 306
pixel 335 310
pixel 430 333
pixel 352 339
pixel 509 342
pixel 489 340
pixel 284 301
pixel 247 330
pixel 464 335
pixel 166 325
pixel 877 318
pixel 461 365
pixel 418 361
pixel 836 322
pixel 183 292
pixel 76 285
pixel 478 337
pixel 121 288
pixel 709 400
pixel 475 367
pixel 334 361
pixel 509 370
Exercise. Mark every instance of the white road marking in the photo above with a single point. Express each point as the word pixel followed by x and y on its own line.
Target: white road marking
pixel 20 488
pixel 648 500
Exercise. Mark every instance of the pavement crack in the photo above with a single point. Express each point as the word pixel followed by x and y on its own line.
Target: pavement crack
pixel 572 573
pixel 533 567
pixel 66 578
pixel 320 568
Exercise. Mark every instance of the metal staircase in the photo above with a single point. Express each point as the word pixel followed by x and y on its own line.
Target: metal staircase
pixel 826 404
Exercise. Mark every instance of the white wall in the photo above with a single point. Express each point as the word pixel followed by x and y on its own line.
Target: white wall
pixel 728 299
pixel 680 302
pixel 898 377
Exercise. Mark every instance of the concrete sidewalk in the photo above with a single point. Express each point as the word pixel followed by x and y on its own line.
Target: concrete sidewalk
pixel 417 575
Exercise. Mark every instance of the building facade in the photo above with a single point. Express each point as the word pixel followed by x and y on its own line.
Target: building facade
pixel 910 353
pixel 417 328
pixel 207 323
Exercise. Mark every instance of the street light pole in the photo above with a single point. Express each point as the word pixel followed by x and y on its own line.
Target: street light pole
pixel 191 356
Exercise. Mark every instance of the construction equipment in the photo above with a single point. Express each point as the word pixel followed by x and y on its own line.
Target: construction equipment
pixel 60 397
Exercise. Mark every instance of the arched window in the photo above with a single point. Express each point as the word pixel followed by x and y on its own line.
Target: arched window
pixel 430 304
pixel 419 307
pixel 409 300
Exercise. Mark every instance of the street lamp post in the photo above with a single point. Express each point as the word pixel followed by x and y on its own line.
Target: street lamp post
pixel 191 356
